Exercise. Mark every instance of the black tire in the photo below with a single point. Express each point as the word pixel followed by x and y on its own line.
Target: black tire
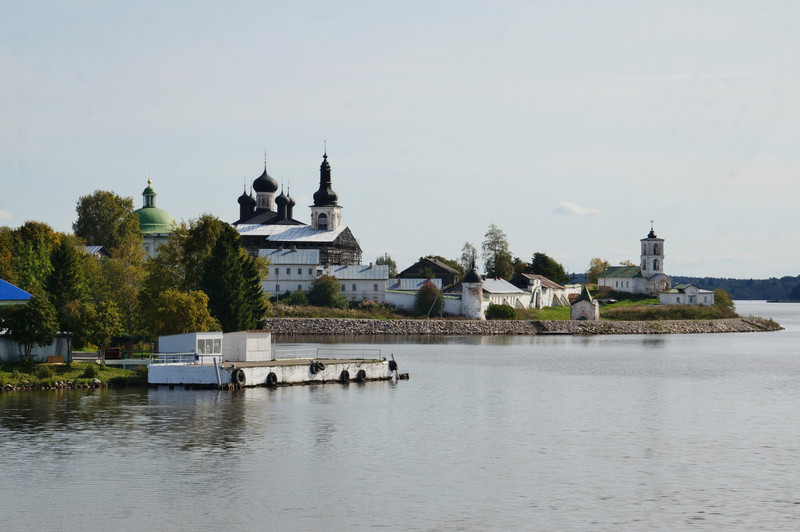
pixel 320 366
pixel 361 376
pixel 313 367
pixel 272 380
pixel 238 377
pixel 344 376
pixel 392 365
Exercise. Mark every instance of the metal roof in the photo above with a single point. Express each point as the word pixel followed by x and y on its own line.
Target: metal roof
pixel 500 286
pixel 547 283
pixel 413 284
pixel 290 256
pixel 9 292
pixel 289 233
pixel 359 271
pixel 622 272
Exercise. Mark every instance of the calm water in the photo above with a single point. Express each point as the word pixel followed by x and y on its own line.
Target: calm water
pixel 683 432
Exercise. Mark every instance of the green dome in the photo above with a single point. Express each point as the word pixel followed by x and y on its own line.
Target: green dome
pixel 155 220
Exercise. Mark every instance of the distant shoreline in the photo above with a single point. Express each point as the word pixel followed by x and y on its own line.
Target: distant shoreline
pixel 434 327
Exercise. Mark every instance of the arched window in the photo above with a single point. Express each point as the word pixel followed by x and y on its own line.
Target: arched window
pixel 322 222
pixel 656 249
pixel 655 264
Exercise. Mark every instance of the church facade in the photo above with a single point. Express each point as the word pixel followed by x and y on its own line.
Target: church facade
pixel 647 278
pixel 267 222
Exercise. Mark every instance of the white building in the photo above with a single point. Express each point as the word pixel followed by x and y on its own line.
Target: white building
pixel 647 278
pixel 501 292
pixel 544 292
pixel 584 308
pixel 362 282
pixel 687 294
pixel 290 270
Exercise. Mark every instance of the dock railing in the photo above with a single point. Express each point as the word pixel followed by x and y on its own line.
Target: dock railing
pixel 194 359
pixel 324 353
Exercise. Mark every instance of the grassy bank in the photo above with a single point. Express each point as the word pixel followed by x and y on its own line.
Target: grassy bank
pixel 75 374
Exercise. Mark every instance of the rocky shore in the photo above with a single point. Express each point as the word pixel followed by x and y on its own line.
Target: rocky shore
pixel 59 385
pixel 366 327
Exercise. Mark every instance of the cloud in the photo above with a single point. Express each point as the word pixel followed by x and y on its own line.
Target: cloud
pixel 565 207
pixel 5 215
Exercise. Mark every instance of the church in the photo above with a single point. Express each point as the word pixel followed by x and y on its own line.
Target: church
pixel 648 278
pixel 267 222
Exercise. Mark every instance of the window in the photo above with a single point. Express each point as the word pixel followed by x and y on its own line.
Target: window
pixel 277 288
pixel 310 271
pixel 343 288
pixel 322 222
pixel 299 271
pixel 354 288
pixel 288 271
pixel 299 287
pixel 375 288
pixel 655 264
pixel 208 346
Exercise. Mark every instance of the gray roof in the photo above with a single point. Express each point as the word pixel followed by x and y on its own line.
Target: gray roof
pixel 412 284
pixel 500 286
pixel 359 271
pixel 290 256
pixel 289 233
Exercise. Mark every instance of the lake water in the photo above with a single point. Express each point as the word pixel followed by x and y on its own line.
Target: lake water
pixel 674 432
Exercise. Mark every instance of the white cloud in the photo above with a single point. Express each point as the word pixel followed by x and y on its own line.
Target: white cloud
pixel 5 215
pixel 565 207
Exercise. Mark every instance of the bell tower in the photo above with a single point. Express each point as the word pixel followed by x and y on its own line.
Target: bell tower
pixel 652 257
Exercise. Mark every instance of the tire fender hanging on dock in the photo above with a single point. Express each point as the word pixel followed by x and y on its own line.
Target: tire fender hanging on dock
pixel 238 377
pixel 272 380
pixel 344 376
pixel 361 376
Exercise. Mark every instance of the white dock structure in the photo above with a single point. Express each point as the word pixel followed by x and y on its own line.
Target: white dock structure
pixel 246 359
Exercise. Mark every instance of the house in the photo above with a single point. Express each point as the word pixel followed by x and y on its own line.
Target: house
pixel 428 265
pixel 687 294
pixel 290 269
pixel 501 292
pixel 544 292
pixel 584 308
pixel 267 222
pixel 361 282
pixel 647 278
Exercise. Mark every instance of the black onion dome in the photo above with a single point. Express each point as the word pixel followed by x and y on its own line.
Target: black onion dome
pixel 265 182
pixel 281 200
pixel 246 199
pixel 472 277
pixel 291 201
pixel 652 234
pixel 325 195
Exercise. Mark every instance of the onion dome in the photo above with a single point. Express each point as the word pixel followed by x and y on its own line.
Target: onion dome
pixel 325 195
pixel 651 234
pixel 472 276
pixel 265 182
pixel 246 199
pixel 282 200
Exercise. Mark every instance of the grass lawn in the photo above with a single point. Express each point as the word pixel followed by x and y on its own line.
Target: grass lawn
pixel 41 374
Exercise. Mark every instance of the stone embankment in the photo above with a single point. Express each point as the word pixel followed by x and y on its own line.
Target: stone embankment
pixel 365 327
pixel 60 385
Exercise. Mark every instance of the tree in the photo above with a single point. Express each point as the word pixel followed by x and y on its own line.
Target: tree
pixel 233 285
pixel 101 323
pixel 519 265
pixel 386 260
pixel 125 273
pixel 543 265
pixel 597 267
pixel 33 323
pixel 724 304
pixel 468 256
pixel 177 312
pixel 428 300
pixel 496 255
pixel 30 245
pixel 105 219
pixel 627 262
pixel 325 291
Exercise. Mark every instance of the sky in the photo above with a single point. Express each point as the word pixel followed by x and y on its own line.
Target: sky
pixel 568 124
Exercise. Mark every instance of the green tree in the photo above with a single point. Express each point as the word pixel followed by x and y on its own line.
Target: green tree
pixel 541 264
pixel 31 244
pixel 386 260
pixel 497 258
pixel 125 273
pixel 101 322
pixel 724 304
pixel 519 265
pixel 177 312
pixel 325 291
pixel 105 219
pixel 429 300
pixel 33 323
pixel 232 282
pixel 597 267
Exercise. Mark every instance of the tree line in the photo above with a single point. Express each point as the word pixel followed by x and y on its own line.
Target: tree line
pixel 201 279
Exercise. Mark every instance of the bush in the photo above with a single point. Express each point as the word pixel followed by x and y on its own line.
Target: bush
pixel 298 297
pixel 44 372
pixel 501 312
pixel 91 371
pixel 324 291
pixel 428 301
